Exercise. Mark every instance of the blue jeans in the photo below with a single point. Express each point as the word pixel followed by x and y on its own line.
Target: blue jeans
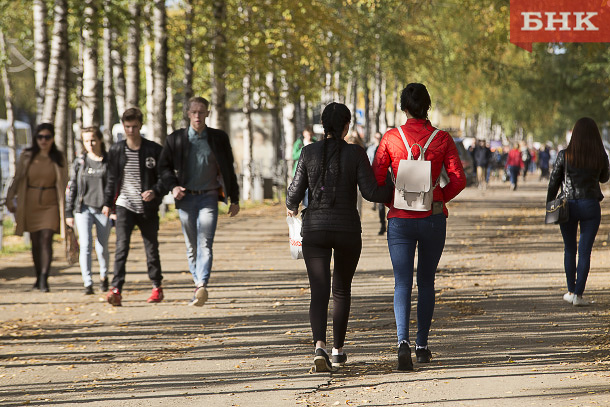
pixel 588 213
pixel 404 235
pixel 513 172
pixel 199 216
pixel 84 222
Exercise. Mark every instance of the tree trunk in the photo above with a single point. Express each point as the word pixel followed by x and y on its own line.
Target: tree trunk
pixel 148 69
pixel 247 139
pixel 169 112
pixel 59 46
pixel 396 99
pixel 108 77
pixel 355 99
pixel 367 110
pixel 10 114
pixel 218 63
pixel 337 79
pixel 187 81
pixel 118 76
pixel 160 71
pixel 41 53
pixel 91 116
pixel 61 136
pixel 132 58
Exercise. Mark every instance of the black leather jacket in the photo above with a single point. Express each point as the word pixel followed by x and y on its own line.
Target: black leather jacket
pixel 334 208
pixel 175 154
pixel 581 183
pixel 150 179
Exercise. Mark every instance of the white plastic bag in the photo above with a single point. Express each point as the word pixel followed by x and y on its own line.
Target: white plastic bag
pixel 294 234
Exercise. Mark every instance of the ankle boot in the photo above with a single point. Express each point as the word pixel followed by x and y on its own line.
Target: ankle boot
pixel 44 285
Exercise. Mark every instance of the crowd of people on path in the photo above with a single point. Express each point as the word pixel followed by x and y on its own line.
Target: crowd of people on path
pixel 125 186
pixel 510 162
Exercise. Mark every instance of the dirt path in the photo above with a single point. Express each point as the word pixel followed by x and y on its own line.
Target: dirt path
pixel 501 335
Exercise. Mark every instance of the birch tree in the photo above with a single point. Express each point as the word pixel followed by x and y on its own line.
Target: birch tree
pixel 118 76
pixel 90 65
pixel 218 63
pixel 8 101
pixel 59 47
pixel 160 71
pixel 41 53
pixel 132 58
pixel 108 92
pixel 187 81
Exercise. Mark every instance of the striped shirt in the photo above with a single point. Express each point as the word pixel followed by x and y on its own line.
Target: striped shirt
pixel 131 189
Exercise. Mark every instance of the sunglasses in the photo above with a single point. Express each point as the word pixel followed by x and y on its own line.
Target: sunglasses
pixel 46 137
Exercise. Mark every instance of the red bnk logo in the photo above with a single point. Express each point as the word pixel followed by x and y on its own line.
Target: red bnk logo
pixel 559 21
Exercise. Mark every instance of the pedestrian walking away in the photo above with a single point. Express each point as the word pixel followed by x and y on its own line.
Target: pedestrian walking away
pixel 424 230
pixel 332 170
pixel 578 170
pixel 196 165
pixel 380 208
pixel 37 197
pixel 134 192
pixel 514 164
pixel 84 202
pixel 482 159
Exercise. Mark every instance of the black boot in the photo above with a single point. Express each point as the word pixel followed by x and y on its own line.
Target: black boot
pixel 404 357
pixel 44 285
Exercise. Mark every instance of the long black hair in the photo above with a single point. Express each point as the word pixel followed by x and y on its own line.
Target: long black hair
pixel 334 118
pixel 54 154
pixel 586 149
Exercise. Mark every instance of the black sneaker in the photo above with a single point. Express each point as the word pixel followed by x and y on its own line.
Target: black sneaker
pixel 322 361
pixel 339 360
pixel 423 355
pixel 404 357
pixel 104 285
pixel 89 290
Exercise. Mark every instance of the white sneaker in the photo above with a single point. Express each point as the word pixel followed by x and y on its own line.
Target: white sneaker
pixel 569 297
pixel 579 301
pixel 200 297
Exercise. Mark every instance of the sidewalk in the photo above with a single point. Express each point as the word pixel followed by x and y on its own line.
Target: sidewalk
pixel 501 336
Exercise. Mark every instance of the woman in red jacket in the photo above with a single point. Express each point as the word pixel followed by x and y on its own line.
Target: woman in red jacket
pixel 425 230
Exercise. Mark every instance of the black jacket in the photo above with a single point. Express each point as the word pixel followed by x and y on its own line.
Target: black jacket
pixel 76 186
pixel 581 183
pixel 149 153
pixel 334 207
pixel 175 154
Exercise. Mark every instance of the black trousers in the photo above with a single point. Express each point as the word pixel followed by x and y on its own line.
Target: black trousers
pixel 126 220
pixel 317 251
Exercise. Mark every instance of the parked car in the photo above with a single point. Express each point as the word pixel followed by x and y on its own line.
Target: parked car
pixel 467 162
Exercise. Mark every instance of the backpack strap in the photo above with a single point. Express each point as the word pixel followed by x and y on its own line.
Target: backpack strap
pixel 423 150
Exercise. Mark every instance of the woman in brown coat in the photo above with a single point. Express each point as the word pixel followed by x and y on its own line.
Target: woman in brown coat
pixel 36 197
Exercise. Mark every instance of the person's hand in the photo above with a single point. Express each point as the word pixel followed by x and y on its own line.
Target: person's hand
pixel 148 196
pixel 233 209
pixel 113 217
pixel 106 211
pixel 291 213
pixel 70 222
pixel 178 192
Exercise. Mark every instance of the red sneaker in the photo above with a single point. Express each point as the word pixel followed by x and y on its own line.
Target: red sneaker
pixel 114 297
pixel 156 296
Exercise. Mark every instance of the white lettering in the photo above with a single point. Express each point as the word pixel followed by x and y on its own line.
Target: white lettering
pixel 550 21
pixel 580 21
pixel 529 18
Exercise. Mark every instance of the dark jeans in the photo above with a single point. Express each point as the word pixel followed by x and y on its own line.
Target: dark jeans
pixel 404 235
pixel 126 220
pixel 587 212
pixel 317 251
pixel 513 171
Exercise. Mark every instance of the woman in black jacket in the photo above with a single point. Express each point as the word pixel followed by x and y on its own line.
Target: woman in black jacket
pixel 332 170
pixel 583 165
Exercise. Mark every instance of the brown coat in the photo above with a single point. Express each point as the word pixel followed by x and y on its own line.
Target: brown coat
pixel 18 190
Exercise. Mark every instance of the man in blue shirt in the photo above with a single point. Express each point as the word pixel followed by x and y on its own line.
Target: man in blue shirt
pixel 196 164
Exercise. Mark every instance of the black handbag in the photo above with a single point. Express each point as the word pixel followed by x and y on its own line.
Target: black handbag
pixel 558 210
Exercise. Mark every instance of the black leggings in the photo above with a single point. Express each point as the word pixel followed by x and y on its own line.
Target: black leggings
pixel 317 251
pixel 42 251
